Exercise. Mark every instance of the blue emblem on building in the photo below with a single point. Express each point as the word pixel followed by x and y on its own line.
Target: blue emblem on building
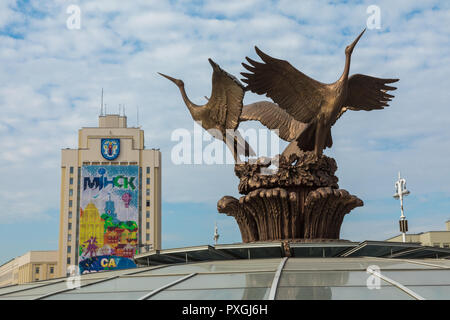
pixel 110 148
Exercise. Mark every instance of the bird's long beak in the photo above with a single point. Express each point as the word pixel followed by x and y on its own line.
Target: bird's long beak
pixel 176 81
pixel 213 64
pixel 356 40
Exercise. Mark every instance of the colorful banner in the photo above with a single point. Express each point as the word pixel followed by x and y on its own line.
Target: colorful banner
pixel 108 217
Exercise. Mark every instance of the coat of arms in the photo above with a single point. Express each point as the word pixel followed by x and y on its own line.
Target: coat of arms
pixel 110 148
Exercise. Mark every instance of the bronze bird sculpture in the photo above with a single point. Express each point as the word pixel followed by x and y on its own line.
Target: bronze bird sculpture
pixel 222 111
pixel 275 118
pixel 311 102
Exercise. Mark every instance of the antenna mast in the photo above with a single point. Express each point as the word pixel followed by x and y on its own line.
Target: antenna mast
pixel 137 115
pixel 101 106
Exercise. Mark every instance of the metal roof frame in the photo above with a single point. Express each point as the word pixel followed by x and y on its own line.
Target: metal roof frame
pixel 93 282
pixel 276 279
pixel 296 249
pixel 361 249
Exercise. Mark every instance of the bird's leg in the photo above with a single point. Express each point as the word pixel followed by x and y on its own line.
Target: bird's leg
pixel 231 143
pixel 321 134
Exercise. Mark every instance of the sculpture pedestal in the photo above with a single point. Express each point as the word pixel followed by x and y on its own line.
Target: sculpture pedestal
pixel 301 200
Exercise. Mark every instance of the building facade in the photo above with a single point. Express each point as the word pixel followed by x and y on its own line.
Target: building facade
pixel 30 267
pixel 110 198
pixel 430 238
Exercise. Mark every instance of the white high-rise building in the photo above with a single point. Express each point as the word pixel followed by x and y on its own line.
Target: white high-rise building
pixel 110 198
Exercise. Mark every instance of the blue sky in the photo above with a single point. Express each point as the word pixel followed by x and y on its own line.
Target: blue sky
pixel 51 78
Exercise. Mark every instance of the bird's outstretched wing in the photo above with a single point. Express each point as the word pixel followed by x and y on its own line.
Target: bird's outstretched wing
pixel 273 117
pixel 225 104
pixel 343 109
pixel 295 92
pixel 368 93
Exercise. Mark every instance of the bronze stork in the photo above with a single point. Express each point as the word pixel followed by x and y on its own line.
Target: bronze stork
pixel 314 103
pixel 275 118
pixel 222 111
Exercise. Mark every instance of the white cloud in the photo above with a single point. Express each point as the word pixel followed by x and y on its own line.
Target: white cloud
pixel 50 84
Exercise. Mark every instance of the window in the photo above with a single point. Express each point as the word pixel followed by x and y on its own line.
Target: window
pixel 36 270
pixel 69 249
pixel 148 203
pixel 71 170
pixel 148 170
pixel 70 203
pixel 70 214
pixel 148 237
pixel 71 180
pixel 446 245
pixel 70 226
pixel 52 270
pixel 68 260
pixel 70 192
pixel 147 214
pixel 147 225
pixel 69 237
pixel 148 192
pixel 148 180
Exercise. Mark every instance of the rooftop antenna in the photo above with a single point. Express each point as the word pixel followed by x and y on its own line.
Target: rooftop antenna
pixel 101 106
pixel 400 191
pixel 216 234
pixel 137 116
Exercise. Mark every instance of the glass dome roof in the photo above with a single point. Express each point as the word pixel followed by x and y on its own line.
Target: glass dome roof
pixel 347 276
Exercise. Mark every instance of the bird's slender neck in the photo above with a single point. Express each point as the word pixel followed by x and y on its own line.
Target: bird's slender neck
pixel 191 106
pixel 346 68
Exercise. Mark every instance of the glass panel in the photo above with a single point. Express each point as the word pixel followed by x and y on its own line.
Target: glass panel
pixel 216 294
pixel 442 263
pixel 129 284
pixel 340 293
pixel 325 278
pixel 432 292
pixel 348 264
pixel 393 264
pixel 253 252
pixel 40 291
pixel 419 277
pixel 379 250
pixel 230 280
pixel 316 251
pixel 220 266
pixel 11 289
pixel 109 274
pixel 128 295
pixel 425 253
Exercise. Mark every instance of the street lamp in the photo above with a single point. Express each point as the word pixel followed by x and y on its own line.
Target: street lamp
pixel 147 247
pixel 400 191
pixel 216 234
